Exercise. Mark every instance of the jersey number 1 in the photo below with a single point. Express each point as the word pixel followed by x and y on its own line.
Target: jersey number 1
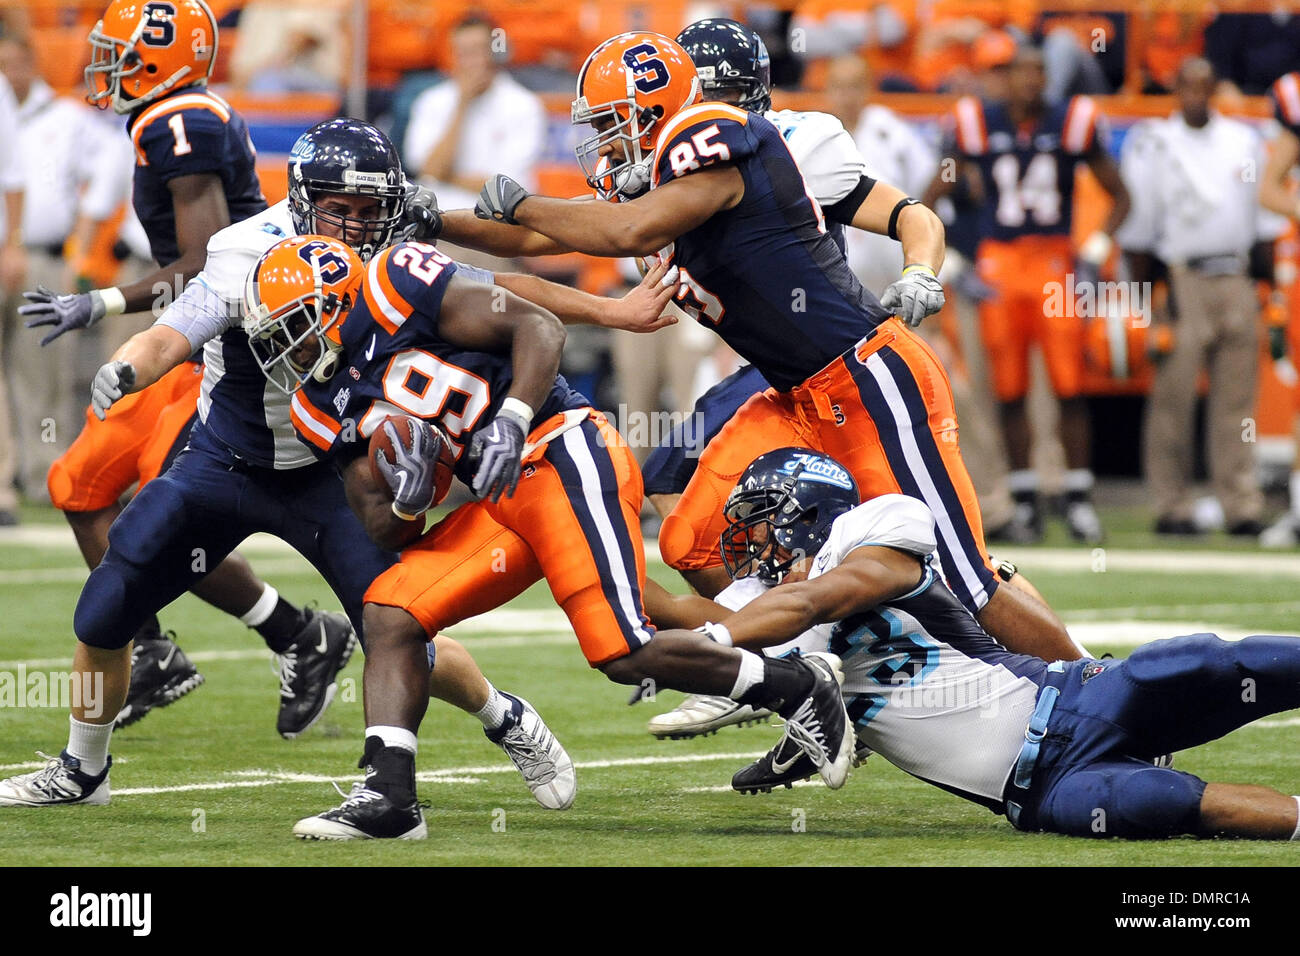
pixel 177 125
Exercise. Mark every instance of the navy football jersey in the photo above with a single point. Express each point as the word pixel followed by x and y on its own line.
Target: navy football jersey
pixel 395 363
pixel 185 134
pixel 766 275
pixel 1286 102
pixel 1028 173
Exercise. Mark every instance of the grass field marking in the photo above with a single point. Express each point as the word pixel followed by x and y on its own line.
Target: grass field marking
pixel 1108 613
pixel 1286 564
pixel 270 778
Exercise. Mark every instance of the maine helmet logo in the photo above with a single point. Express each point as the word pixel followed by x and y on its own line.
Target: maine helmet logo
pixel 817 468
pixel 304 151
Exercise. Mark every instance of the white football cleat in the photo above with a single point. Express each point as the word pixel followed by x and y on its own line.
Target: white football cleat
pixel 364 814
pixel 1283 533
pixel 700 714
pixel 60 783
pixel 544 763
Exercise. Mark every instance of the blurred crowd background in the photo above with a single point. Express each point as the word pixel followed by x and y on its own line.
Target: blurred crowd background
pixel 471 88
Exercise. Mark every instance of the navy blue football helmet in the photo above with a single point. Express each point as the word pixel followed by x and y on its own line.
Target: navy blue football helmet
pixel 781 511
pixel 348 156
pixel 730 56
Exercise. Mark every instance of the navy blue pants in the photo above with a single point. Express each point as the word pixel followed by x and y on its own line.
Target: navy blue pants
pixel 1094 776
pixel 183 524
pixel 669 467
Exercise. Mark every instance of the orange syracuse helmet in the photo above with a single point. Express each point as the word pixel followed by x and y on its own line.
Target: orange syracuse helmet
pixel 628 88
pixel 143 49
pixel 296 297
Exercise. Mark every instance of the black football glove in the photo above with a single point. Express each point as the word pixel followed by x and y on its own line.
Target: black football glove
pixel 110 383
pixel 499 199
pixel 411 476
pixel 423 217
pixel 495 452
pixel 79 310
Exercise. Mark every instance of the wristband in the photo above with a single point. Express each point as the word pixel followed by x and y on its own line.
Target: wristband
pixel 114 301
pixel 919 267
pixel 518 408
pixel 717 633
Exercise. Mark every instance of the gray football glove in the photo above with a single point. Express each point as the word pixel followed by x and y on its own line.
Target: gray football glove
pixel 110 383
pixel 914 296
pixel 495 452
pixel 423 217
pixel 499 199
pixel 79 310
pixel 411 476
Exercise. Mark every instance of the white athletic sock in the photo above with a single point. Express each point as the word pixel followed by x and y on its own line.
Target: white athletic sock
pixel 394 737
pixel 1294 485
pixel 259 612
pixel 752 670
pixel 1296 835
pixel 1079 479
pixel 89 744
pixel 493 713
pixel 1022 480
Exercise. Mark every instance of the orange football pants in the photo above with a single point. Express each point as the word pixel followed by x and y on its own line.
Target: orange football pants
pixel 130 445
pixel 574 520
pixel 1033 307
pixel 884 410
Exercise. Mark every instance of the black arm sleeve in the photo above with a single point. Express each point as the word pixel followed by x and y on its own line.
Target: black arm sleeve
pixel 844 210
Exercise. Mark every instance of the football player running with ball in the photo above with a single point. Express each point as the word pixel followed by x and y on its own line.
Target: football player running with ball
pixel 559 496
pixel 244 471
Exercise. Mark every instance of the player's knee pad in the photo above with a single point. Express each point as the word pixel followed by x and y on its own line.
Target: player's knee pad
pixel 105 617
pixel 1132 800
pixel 150 524
pixel 1194 656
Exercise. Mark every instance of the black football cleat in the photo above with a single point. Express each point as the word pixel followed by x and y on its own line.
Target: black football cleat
pixel 161 674
pixel 820 725
pixel 307 670
pixel 782 766
pixel 365 814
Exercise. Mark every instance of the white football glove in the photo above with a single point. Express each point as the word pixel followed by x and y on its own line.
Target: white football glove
pixel 110 383
pixel 917 294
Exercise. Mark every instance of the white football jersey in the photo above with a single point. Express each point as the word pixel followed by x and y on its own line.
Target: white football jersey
pixel 952 715
pixel 823 150
pixel 236 402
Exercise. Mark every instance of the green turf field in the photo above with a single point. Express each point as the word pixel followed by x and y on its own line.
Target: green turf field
pixel 208 781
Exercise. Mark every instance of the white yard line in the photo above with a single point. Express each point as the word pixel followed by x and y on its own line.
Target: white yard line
pixel 269 778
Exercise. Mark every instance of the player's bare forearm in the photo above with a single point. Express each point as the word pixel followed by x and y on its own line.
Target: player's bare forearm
pixel 374 508
pixel 1274 192
pixel 640 310
pixel 866 578
pixel 685 611
pixel 462 227
pixel 922 236
pixel 638 228
pixel 918 229
pixel 199 204
pixel 1107 172
pixel 153 353
pixel 491 318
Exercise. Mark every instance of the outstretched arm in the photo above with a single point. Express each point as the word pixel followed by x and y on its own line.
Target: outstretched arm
pixel 638 228
pixel 866 577
pixel 640 310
